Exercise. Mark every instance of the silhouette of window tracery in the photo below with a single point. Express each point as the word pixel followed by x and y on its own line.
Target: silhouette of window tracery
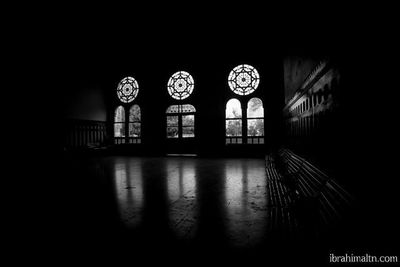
pixel 180 85
pixel 243 79
pixel 127 90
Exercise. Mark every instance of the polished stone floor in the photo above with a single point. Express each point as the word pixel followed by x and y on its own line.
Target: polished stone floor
pixel 198 197
pixel 186 206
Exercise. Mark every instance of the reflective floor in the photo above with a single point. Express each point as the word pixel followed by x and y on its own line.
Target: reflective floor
pixel 171 206
pixel 215 199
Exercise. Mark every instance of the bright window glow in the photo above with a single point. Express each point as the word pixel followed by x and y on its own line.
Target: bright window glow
pixel 243 79
pixel 119 122
pixel 233 113
pixel 180 85
pixel 255 117
pixel 127 89
pixel 134 121
pixel 119 114
pixel 233 109
pixel 187 126
pixel 119 130
pixel 181 109
pixel 255 108
pixel 180 121
pixel 172 127
pixel 233 127
pixel 134 114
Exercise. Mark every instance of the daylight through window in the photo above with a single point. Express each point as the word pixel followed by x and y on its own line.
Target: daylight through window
pixel 233 123
pixel 127 89
pixel 243 79
pixel 180 121
pixel 180 85
pixel 255 121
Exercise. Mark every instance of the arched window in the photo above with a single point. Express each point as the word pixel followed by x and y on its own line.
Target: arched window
pixel 180 118
pixel 233 124
pixel 255 121
pixel 244 125
pixel 127 131
pixel 119 125
pixel 180 121
pixel 134 125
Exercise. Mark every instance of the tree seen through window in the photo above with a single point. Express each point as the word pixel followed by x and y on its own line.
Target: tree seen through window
pixel 233 115
pixel 180 121
pixel 255 117
pixel 119 122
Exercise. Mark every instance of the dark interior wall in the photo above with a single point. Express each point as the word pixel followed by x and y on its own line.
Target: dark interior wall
pixel 296 70
pixel 84 100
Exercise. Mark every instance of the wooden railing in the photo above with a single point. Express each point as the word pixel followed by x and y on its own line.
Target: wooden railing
pixel 82 134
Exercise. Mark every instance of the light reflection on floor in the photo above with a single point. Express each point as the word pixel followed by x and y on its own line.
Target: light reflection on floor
pixel 181 183
pixel 246 202
pixel 129 190
pixel 239 184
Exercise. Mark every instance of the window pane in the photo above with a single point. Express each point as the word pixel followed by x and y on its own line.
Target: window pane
pixel 134 129
pixel 180 85
pixel 128 89
pixel 172 120
pixel 255 127
pixel 243 79
pixel 173 109
pixel 172 132
pixel 119 115
pixel 188 120
pixel 134 113
pixel 187 131
pixel 119 130
pixel 233 109
pixel 255 108
pixel 234 127
pixel 187 109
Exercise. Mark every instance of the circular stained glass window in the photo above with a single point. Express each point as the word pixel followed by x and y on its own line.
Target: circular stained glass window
pixel 180 85
pixel 127 90
pixel 243 79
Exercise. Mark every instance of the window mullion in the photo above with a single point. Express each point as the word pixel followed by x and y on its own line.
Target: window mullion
pixel 244 124
pixel 126 125
pixel 180 128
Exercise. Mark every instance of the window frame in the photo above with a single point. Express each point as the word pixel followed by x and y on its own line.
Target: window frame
pixel 119 139
pixel 135 139
pixel 235 139
pixel 259 139
pixel 127 105
pixel 180 125
pixel 245 139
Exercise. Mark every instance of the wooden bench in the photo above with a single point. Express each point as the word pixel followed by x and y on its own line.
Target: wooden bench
pixel 294 184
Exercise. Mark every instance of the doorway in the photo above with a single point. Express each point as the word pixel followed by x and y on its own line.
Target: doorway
pixel 181 129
